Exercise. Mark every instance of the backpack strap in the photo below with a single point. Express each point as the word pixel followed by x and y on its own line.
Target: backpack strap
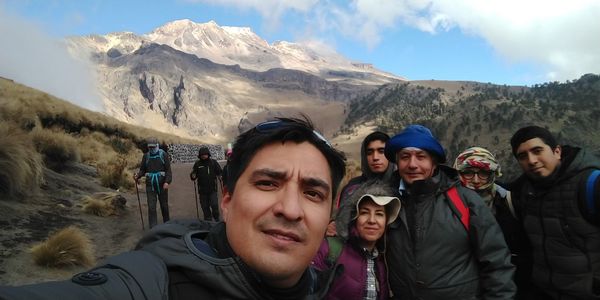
pixel 507 195
pixel 161 154
pixel 463 210
pixel 590 191
pixel 335 244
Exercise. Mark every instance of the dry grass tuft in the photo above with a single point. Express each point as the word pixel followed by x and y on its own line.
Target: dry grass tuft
pixel 104 204
pixel 20 165
pixel 67 247
pixel 58 148
pixel 113 173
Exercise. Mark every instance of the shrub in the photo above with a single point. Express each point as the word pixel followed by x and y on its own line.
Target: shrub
pixel 20 165
pixel 58 148
pixel 120 145
pixel 112 173
pixel 67 247
pixel 104 204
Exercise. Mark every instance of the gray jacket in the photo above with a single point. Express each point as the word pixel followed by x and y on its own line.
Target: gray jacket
pixel 432 256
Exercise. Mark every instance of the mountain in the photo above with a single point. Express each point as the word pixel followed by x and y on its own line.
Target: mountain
pixel 200 80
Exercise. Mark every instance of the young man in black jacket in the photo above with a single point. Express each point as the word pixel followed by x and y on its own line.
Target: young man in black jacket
pixel 558 199
pixel 283 177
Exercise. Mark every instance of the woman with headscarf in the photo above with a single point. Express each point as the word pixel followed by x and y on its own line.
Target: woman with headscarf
pixel 478 170
pixel 357 254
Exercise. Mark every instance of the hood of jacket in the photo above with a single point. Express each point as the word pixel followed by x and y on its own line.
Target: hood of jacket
pixel 346 216
pixel 364 164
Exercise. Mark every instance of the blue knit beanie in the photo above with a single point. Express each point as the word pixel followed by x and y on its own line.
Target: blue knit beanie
pixel 416 136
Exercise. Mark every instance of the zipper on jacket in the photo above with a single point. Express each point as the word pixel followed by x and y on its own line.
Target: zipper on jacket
pixel 544 246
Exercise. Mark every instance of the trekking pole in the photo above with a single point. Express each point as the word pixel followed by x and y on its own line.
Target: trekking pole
pixel 196 199
pixel 137 191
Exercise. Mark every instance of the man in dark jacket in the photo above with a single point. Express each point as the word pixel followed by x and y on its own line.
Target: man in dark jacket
pixel 432 254
pixel 373 164
pixel 559 215
pixel 156 167
pixel 207 173
pixel 283 176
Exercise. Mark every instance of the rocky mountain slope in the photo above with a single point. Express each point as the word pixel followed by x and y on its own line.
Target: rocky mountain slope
pixel 199 80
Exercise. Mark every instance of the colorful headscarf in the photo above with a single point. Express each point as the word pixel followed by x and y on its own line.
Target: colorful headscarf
pixel 480 158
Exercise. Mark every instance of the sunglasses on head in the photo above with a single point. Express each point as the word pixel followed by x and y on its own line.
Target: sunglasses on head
pixel 275 124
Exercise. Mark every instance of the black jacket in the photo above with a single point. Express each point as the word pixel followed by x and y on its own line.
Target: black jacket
pixel 566 246
pixel 432 256
pixel 156 163
pixel 206 172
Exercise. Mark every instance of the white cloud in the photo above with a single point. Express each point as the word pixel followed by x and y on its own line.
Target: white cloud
pixel 31 57
pixel 559 36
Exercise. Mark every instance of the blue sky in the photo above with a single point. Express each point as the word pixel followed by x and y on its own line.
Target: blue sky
pixel 510 42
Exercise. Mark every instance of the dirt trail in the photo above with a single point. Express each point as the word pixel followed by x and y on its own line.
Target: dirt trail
pixel 181 195
pixel 26 222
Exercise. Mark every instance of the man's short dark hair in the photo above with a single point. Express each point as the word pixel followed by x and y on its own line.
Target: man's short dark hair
pixel 531 132
pixel 282 130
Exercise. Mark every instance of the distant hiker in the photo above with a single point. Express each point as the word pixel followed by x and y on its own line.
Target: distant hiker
pixel 207 173
pixel 373 164
pixel 478 170
pixel 446 244
pixel 283 178
pixel 156 167
pixel 559 199
pixel 360 245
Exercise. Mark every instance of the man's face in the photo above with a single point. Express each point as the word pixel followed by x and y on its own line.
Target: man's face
pixel 376 157
pixel 537 159
pixel 204 156
pixel 414 164
pixel 277 216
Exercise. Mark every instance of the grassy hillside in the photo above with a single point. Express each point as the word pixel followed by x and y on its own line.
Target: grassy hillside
pixel 464 114
pixel 40 131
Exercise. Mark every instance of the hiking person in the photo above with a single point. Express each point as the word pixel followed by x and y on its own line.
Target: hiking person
pixel 207 174
pixel 156 167
pixel 446 243
pixel 373 164
pixel 558 199
pixel 283 177
pixel 360 246
pixel 478 170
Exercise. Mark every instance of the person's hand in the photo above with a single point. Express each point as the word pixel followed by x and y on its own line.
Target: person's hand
pixel 135 178
pixel 331 229
pixel 165 186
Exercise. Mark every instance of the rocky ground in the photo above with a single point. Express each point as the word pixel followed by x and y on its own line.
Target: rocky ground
pixel 26 222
